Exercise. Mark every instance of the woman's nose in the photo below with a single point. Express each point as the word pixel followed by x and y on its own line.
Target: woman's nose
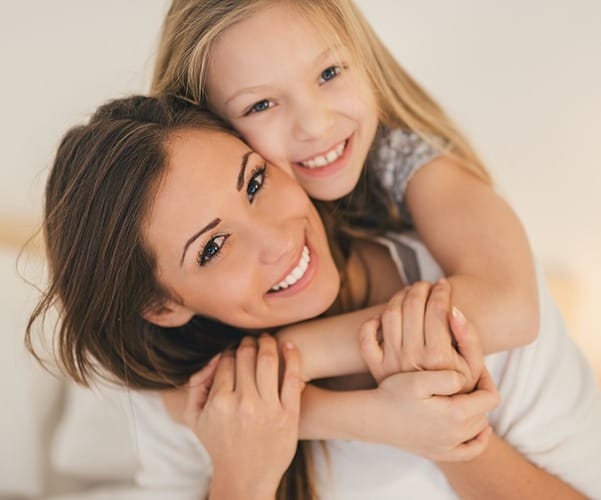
pixel 275 242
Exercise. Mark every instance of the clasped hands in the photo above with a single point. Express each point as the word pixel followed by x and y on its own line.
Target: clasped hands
pixel 432 397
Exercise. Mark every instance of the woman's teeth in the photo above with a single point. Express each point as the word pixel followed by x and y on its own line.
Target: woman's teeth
pixel 326 159
pixel 297 273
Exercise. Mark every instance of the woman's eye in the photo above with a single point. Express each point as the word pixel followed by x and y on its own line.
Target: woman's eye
pixel 211 249
pixel 260 106
pixel 329 73
pixel 255 183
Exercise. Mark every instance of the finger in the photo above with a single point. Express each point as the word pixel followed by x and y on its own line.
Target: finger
pixel 484 399
pixel 437 332
pixel 474 447
pixel 198 390
pixel 205 375
pixel 486 384
pixel 290 394
pixel 246 361
pixel 392 331
pixel 414 307
pixel 435 383
pixel 468 342
pixel 267 368
pixel 225 377
pixel 371 350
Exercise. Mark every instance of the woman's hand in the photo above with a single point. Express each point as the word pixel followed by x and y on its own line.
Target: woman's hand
pixel 418 332
pixel 248 425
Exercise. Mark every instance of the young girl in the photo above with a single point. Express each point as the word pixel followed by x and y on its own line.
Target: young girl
pixel 311 88
pixel 204 225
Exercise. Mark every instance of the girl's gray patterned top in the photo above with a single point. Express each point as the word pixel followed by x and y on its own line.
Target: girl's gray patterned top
pixel 396 155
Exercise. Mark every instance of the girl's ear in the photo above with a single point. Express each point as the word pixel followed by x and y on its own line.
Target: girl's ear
pixel 168 313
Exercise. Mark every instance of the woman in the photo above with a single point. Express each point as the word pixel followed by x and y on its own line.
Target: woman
pixel 188 232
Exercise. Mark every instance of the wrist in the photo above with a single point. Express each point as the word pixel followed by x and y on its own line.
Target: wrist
pixel 226 487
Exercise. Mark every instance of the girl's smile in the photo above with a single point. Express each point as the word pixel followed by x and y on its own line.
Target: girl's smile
pixel 299 99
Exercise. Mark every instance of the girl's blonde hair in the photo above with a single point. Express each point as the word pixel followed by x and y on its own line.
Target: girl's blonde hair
pixel 192 26
pixel 190 29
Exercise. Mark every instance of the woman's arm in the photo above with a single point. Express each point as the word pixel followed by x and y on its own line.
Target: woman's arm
pixel 500 472
pixel 481 245
pixel 248 425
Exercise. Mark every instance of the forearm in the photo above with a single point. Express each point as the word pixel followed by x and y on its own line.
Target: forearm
pixel 481 245
pixel 329 414
pixel 329 347
pixel 500 472
pixel 230 488
pixel 504 316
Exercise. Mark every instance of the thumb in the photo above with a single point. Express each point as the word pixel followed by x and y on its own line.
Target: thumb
pixel 435 382
pixel 198 387
pixel 370 348
pixel 292 385
pixel 468 342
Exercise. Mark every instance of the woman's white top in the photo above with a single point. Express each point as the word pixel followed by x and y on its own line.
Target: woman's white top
pixel 550 411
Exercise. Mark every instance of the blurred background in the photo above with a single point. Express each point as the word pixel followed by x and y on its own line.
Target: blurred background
pixel 522 79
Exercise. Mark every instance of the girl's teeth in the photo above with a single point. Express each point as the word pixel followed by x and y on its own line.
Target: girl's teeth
pixel 297 273
pixel 323 160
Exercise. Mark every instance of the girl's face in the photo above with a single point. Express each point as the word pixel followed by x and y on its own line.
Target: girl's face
pixel 236 239
pixel 304 104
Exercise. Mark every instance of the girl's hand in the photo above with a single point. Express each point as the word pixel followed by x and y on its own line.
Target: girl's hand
pixel 417 412
pixel 247 424
pixel 417 331
pixel 416 337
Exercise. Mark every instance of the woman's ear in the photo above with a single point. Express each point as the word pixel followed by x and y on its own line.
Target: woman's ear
pixel 167 313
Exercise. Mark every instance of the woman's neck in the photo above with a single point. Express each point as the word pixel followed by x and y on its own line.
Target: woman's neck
pixel 372 275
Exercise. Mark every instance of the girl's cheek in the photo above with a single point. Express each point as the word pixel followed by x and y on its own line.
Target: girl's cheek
pixel 285 167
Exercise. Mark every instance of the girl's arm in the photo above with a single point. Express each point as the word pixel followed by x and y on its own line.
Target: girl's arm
pixel 501 472
pixel 482 247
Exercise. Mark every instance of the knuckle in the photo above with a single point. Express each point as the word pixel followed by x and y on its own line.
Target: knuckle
pixel 390 311
pixel 247 346
pixel 457 415
pixel 267 357
pixel 434 358
pixel 247 408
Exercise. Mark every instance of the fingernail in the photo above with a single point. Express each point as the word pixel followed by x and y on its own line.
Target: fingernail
pixel 458 315
pixel 442 281
pixel 288 345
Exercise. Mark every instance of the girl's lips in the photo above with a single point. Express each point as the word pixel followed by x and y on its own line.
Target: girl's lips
pixel 330 169
pixel 303 282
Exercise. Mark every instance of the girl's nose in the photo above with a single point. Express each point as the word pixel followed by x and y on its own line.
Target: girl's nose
pixel 312 118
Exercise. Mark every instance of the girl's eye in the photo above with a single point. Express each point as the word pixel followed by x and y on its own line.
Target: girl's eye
pixel 256 182
pixel 211 249
pixel 260 106
pixel 329 73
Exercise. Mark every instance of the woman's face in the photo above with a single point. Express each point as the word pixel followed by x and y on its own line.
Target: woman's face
pixel 236 239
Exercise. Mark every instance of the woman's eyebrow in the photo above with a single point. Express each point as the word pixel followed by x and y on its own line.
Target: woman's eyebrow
pixel 215 222
pixel 240 182
pixel 208 227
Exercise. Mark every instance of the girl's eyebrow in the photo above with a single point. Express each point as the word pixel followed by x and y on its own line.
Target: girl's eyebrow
pixel 260 88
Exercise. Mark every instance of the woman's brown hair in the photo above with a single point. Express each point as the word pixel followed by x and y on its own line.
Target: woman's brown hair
pixel 101 275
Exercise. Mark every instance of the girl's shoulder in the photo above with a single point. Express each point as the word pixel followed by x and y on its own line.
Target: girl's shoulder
pixel 396 155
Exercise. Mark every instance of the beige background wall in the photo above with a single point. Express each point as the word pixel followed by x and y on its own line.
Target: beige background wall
pixel 521 78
